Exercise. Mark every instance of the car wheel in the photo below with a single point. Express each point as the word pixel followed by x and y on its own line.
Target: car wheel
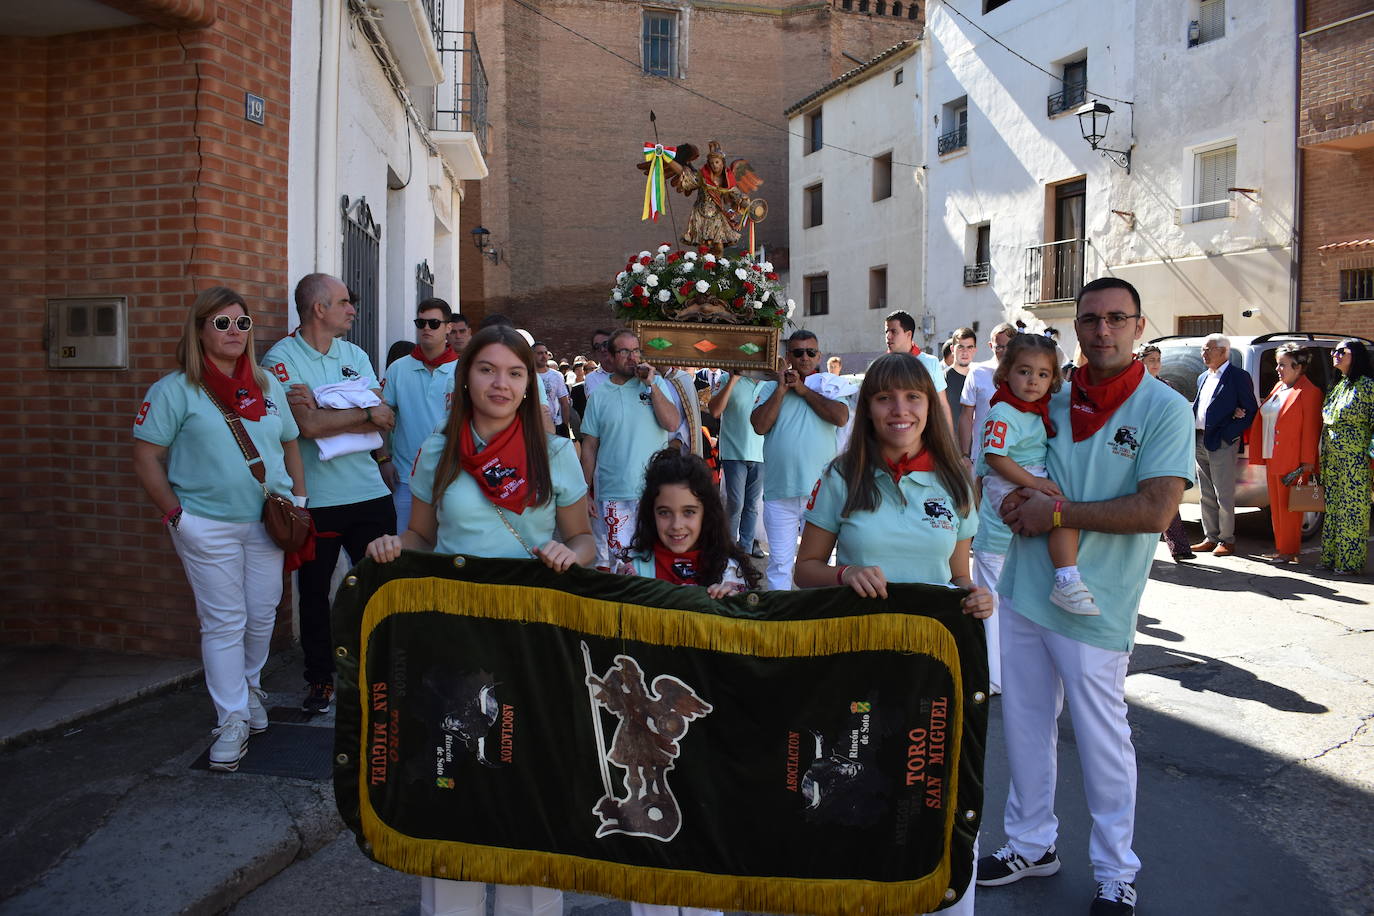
pixel 1311 525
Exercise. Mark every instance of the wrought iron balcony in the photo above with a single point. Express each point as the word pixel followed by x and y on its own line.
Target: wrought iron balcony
pixel 1067 99
pixel 460 105
pixel 1054 271
pixel 977 274
pixel 954 140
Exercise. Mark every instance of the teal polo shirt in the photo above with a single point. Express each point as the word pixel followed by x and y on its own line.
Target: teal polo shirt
pixel 909 536
pixel 1021 437
pixel 1150 435
pixel 469 523
pixel 936 370
pixel 621 417
pixel 421 399
pixel 205 467
pixel 348 478
pixel 738 441
pixel 796 449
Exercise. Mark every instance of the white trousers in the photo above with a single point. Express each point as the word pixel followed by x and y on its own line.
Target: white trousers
pixel 1040 669
pixel 782 520
pixel 235 572
pixel 987 569
pixel 613 526
pixel 657 909
pixel 469 898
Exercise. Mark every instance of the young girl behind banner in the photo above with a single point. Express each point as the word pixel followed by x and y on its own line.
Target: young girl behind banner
pixel 681 531
pixel 1016 439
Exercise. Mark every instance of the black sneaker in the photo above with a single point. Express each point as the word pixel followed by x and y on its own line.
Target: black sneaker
pixel 1114 898
pixel 1005 866
pixel 318 698
pixel 758 553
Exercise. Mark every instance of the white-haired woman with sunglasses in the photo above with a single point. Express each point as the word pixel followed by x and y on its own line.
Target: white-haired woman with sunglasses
pixel 186 459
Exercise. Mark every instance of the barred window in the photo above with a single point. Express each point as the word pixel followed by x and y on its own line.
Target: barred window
pixel 660 42
pixel 1357 285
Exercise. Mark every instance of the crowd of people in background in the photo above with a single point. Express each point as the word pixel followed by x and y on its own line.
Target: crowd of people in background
pixel 1038 485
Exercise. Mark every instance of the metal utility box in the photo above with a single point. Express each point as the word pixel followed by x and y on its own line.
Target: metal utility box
pixel 88 333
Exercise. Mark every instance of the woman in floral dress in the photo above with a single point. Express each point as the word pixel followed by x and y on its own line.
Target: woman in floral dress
pixel 1347 424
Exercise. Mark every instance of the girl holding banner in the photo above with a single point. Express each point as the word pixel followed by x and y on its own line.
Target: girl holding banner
pixel 492 483
pixel 896 505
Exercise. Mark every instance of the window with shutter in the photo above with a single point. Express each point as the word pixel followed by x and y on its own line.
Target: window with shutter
pixel 1215 171
pixel 1211 20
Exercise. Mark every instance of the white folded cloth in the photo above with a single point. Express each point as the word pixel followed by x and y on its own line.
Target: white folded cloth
pixel 339 395
pixel 833 387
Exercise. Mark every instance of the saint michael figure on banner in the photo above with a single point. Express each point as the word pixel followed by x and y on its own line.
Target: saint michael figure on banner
pixel 645 744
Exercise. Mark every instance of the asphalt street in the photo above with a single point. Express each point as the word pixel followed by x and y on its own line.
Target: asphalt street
pixel 1250 698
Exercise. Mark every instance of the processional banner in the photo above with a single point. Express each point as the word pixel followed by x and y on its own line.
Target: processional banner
pixel 785 752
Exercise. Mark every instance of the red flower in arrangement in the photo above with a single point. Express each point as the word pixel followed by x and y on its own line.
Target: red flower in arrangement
pixel 703 249
pixel 738 303
pixel 687 289
pixel 637 292
pixel 748 287
pixel 772 277
pixel 674 257
pixel 645 261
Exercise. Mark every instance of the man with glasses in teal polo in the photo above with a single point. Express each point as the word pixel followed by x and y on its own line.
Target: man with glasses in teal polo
pixel 1123 456
pixel 798 426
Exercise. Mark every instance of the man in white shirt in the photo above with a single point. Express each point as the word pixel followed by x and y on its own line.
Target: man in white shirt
pixel 555 390
pixel 978 391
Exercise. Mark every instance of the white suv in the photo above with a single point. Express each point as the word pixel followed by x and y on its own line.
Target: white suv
pixel 1182 364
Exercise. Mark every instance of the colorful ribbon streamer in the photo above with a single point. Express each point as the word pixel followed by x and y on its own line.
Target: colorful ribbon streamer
pixel 656 189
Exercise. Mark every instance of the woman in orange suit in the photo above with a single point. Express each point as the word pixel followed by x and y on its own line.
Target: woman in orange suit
pixel 1284 439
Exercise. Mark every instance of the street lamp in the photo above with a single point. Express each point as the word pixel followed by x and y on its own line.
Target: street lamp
pixel 481 236
pixel 1092 121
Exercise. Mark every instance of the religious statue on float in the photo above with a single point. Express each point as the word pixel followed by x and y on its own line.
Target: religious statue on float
pixel 723 208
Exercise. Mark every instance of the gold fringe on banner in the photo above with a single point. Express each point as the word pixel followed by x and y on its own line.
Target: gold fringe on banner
pixel 663 626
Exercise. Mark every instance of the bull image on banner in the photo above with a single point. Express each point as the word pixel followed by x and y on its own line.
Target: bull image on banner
pixel 786 752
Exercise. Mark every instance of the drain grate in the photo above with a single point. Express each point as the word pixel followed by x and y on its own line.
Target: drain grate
pixel 285 750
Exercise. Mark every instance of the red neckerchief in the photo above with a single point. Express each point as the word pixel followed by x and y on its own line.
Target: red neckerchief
pixel 1041 407
pixel 921 461
pixel 677 568
pixel 1091 406
pixel 915 350
pixel 447 356
pixel 499 469
pixel 240 391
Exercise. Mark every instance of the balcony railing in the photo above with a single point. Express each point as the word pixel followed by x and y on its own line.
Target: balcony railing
pixel 1067 99
pixel 976 274
pixel 460 102
pixel 434 10
pixel 1054 271
pixel 954 140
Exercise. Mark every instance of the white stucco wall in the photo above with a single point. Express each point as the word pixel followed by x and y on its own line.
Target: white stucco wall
pixel 378 155
pixel 871 116
pixel 1185 99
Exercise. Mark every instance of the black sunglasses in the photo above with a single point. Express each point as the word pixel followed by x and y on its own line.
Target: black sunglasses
pixel 222 322
pixel 434 323
pixel 804 351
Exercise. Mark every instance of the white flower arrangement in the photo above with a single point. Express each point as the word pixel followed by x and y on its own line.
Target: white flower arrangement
pixel 655 286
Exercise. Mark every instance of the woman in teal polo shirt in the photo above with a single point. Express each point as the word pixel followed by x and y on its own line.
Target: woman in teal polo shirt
pixel 896 505
pixel 186 459
pixel 492 483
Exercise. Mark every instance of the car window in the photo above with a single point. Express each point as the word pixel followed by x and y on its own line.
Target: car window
pixel 1268 370
pixel 1180 367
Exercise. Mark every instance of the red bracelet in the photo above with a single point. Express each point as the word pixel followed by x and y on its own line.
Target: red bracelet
pixel 1058 519
pixel 174 513
pixel 839 575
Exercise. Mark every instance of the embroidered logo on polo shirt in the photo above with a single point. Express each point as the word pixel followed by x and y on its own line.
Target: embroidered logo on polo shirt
pixel 349 372
pixel 645 396
pixel 271 407
pixel 939 514
pixel 1124 442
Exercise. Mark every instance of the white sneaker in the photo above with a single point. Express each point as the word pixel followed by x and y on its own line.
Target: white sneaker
pixel 1075 598
pixel 230 746
pixel 257 711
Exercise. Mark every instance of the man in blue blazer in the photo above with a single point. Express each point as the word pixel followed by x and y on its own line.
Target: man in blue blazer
pixel 1223 409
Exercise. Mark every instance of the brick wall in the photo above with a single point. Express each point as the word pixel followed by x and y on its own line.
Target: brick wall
pixel 135 174
pixel 564 198
pixel 1336 142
